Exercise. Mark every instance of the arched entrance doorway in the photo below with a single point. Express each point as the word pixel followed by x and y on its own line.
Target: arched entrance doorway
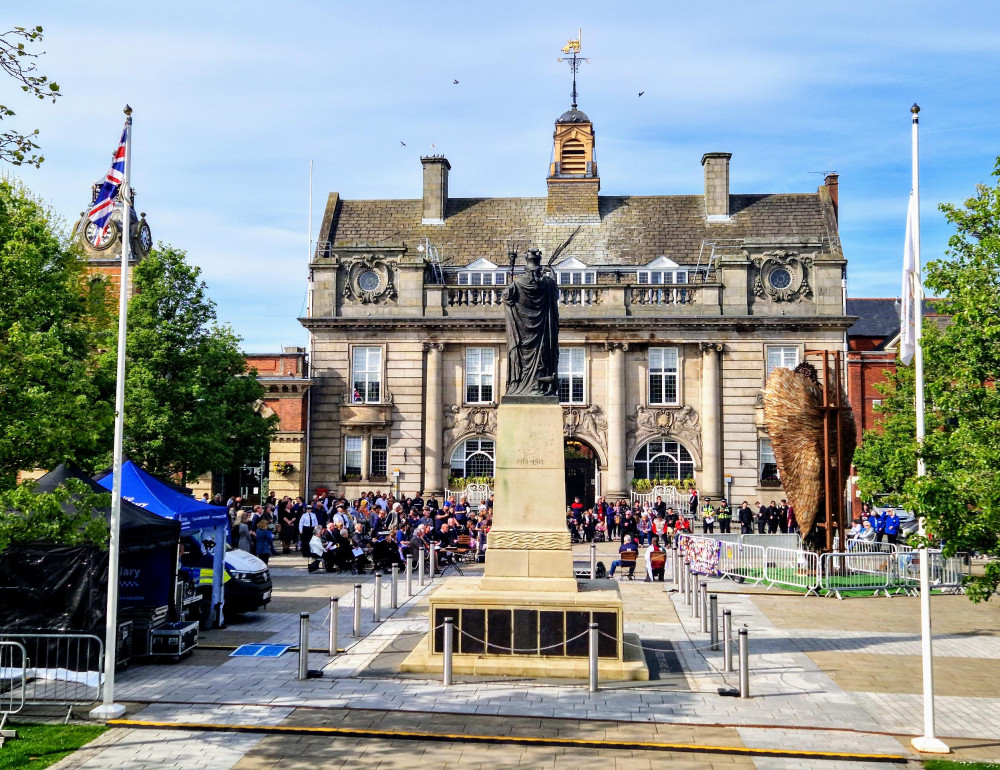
pixel 581 471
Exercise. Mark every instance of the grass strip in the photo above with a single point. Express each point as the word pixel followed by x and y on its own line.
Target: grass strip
pixel 41 745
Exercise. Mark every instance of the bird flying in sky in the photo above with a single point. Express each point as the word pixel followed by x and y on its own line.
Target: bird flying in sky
pixel 641 93
pixel 455 82
pixel 402 143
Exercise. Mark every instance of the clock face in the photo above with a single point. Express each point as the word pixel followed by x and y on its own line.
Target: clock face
pixel 145 238
pixel 100 238
pixel 369 281
pixel 780 278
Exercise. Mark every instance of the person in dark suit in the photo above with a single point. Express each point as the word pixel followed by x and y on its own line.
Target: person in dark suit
pixel 745 516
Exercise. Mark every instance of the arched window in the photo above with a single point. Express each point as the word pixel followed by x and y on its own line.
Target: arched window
pixel 474 457
pixel 663 459
pixel 574 157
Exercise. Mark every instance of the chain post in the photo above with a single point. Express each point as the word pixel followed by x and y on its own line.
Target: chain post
pixel 713 620
pixel 593 561
pixel 334 606
pixel 357 610
pixel 593 658
pixel 303 645
pixel 727 640
pixel 449 631
pixel 394 588
pixel 744 663
pixel 377 603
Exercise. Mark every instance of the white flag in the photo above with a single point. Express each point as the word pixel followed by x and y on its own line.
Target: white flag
pixel 911 293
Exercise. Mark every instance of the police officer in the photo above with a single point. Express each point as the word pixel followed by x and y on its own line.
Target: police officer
pixel 706 508
pixel 725 517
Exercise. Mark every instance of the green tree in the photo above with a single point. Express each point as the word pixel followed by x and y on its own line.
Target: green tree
pixel 17 60
pixel 50 408
pixel 67 515
pixel 190 404
pixel 960 496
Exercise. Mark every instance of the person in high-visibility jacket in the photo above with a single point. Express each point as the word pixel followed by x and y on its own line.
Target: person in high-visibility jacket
pixel 725 517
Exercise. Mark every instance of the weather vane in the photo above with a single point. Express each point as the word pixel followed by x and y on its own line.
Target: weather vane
pixel 573 47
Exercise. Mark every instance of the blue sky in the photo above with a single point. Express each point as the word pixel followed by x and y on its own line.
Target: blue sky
pixel 232 99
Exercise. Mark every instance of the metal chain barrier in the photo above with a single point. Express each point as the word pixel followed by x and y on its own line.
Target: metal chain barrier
pixel 518 650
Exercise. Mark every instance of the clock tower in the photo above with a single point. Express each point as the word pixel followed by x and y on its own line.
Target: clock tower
pixel 103 251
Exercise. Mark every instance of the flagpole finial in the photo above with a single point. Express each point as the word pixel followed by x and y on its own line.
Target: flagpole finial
pixel 127 110
pixel 915 109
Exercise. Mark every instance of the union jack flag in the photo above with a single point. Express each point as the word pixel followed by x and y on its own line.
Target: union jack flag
pixel 104 204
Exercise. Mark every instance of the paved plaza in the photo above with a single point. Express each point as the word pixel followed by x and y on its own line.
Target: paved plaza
pixel 828 676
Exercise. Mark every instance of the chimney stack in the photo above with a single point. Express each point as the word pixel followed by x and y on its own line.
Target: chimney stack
pixel 716 185
pixel 436 168
pixel 832 183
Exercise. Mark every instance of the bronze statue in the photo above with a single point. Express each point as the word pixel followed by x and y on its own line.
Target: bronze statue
pixel 532 314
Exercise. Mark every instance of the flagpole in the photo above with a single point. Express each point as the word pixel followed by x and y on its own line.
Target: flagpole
pixel 108 708
pixel 928 742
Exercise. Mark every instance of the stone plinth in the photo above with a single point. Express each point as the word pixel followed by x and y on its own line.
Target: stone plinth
pixel 527 615
pixel 529 633
pixel 528 548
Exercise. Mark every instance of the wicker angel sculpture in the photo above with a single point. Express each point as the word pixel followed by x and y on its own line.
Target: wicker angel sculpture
pixel 793 414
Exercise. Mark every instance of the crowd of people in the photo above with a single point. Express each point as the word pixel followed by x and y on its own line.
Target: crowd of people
pixel 374 531
pixel 642 521
pixel 875 526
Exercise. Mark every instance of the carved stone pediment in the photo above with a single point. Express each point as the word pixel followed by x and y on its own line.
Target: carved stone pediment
pixel 462 421
pixel 588 423
pixel 782 275
pixel 365 415
pixel 369 278
pixel 680 423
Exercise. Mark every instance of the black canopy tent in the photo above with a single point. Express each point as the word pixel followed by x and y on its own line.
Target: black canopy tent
pixel 64 588
pixel 139 528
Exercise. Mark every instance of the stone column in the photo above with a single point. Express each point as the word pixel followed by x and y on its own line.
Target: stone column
pixel 710 482
pixel 366 454
pixel 433 442
pixel 615 484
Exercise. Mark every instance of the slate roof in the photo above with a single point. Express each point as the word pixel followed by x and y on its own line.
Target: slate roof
pixel 634 230
pixel 879 317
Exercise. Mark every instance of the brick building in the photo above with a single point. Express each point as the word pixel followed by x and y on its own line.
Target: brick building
pixel 673 310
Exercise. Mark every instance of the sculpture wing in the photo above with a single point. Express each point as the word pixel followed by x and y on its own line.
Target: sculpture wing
pixel 795 425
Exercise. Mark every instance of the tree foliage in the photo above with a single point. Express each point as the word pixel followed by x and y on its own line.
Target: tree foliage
pixel 68 515
pixel 960 495
pixel 18 62
pixel 190 406
pixel 50 313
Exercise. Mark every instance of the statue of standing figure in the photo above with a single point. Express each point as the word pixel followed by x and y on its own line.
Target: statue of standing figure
pixel 531 310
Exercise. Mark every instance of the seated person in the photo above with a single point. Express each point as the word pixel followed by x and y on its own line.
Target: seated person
pixel 329 538
pixel 316 548
pixel 654 572
pixel 419 542
pixel 627 546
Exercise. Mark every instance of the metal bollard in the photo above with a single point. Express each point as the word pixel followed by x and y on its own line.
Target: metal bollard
pixel 593 561
pixel 695 599
pixel 377 604
pixel 744 664
pixel 727 640
pixel 421 576
pixel 303 645
pixel 703 606
pixel 449 631
pixel 334 606
pixel 409 577
pixel 713 620
pixel 434 560
pixel 686 580
pixel 357 610
pixel 394 588
pixel 593 658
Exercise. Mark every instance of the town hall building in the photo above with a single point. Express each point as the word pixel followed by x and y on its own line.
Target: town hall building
pixel 673 311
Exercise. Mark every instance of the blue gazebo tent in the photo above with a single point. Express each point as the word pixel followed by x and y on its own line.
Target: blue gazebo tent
pixel 148 492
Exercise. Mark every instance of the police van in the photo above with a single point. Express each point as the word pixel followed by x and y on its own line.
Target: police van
pixel 246 580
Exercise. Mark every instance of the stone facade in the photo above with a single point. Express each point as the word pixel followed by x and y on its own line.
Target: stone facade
pixel 669 311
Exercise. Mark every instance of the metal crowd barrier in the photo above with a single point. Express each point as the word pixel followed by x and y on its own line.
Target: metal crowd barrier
pixel 54 669
pixel 840 572
pixel 946 573
pixel 793 568
pixel 742 562
pixel 791 541
pixel 12 678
